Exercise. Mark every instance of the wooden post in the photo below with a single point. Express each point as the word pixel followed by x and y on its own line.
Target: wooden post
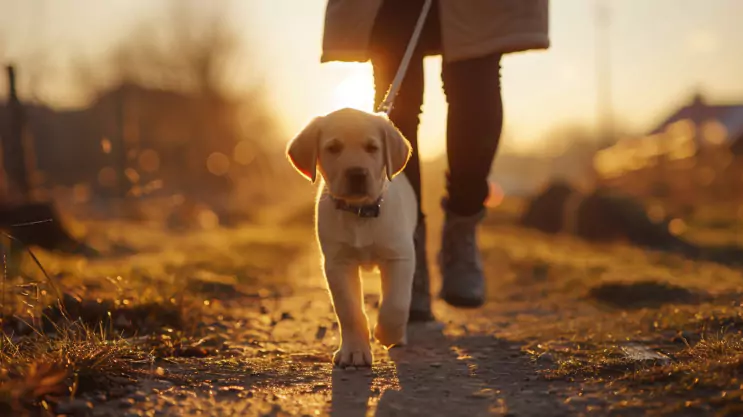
pixel 121 156
pixel 14 158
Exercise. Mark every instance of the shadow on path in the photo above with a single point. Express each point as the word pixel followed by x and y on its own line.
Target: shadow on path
pixel 444 375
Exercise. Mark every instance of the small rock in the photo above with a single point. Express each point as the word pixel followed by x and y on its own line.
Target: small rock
pixel 156 384
pixel 119 380
pixel 435 365
pixel 286 316
pixel 483 393
pixel 121 321
pixel 320 387
pixel 126 402
pixel 545 359
pixel 639 353
pixel 76 406
pixel 575 399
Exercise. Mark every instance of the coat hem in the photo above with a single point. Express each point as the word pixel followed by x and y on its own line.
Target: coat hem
pixel 511 44
pixel 508 45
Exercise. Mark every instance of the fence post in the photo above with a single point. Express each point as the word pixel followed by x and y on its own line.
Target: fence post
pixel 14 157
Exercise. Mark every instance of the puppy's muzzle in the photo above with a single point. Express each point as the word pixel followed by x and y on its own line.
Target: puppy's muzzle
pixel 356 181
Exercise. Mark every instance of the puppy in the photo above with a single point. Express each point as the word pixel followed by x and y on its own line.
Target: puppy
pixel 365 216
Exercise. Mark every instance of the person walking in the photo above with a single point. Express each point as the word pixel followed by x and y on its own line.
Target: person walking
pixel 471 36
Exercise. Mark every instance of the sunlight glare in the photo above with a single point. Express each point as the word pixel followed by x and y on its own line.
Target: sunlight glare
pixel 355 91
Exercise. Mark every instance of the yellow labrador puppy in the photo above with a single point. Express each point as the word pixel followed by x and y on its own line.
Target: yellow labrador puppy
pixel 365 215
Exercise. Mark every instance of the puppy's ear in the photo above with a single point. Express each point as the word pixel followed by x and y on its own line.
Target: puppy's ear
pixel 397 149
pixel 302 150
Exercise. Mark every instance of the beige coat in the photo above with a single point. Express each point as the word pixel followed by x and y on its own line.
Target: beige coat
pixel 469 28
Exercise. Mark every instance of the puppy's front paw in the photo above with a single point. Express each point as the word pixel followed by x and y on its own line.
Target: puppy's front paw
pixel 353 353
pixel 391 334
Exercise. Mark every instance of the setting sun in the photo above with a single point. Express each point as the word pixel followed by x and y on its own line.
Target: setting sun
pixel 356 90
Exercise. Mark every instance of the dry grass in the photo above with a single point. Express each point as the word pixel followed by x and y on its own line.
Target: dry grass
pixel 114 318
pixel 40 371
pixel 583 305
pixel 59 357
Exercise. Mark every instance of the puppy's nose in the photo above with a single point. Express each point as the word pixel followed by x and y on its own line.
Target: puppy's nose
pixel 356 177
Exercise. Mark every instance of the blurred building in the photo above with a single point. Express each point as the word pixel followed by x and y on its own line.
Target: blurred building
pixel 696 151
pixel 133 139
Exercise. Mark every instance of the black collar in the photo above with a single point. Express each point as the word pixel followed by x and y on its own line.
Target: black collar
pixel 363 211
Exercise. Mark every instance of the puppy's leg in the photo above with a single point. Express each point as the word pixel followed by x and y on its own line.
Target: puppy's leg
pixel 345 288
pixel 397 287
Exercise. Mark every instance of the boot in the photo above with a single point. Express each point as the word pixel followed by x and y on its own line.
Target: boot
pixel 459 260
pixel 420 304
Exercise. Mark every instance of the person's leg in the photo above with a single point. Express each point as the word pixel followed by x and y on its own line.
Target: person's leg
pixel 474 125
pixel 390 37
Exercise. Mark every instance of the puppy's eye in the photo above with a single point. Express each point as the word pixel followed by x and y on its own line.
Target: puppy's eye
pixel 371 147
pixel 335 148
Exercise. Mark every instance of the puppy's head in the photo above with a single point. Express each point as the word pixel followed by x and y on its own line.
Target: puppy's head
pixel 356 152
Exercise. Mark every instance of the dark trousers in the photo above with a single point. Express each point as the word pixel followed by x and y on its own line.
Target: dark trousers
pixel 473 93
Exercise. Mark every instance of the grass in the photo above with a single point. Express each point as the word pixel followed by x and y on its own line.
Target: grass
pixel 702 372
pixel 72 327
pixel 583 305
pixel 59 357
pixel 38 372
pixel 579 306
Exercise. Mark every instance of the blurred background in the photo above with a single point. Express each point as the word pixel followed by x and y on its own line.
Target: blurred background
pixel 178 111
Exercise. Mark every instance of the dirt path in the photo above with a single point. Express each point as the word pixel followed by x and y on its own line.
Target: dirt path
pixel 280 365
pixel 551 341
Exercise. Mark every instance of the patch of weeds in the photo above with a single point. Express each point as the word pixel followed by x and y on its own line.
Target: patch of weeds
pixel 178 345
pixel 38 372
pixel 712 362
pixel 704 376
pixel 582 360
pixel 643 294
pixel 690 327
pixel 123 318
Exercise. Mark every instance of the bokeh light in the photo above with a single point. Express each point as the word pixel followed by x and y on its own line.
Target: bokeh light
pixel 243 153
pixel 218 164
pixel 208 219
pixel 107 177
pixel 149 160
pixel 677 227
pixel 132 175
pixel 106 145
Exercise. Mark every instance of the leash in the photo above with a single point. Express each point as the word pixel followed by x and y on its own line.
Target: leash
pixel 389 99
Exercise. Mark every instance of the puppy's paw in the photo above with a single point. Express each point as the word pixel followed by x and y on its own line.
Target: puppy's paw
pixel 353 353
pixel 391 335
